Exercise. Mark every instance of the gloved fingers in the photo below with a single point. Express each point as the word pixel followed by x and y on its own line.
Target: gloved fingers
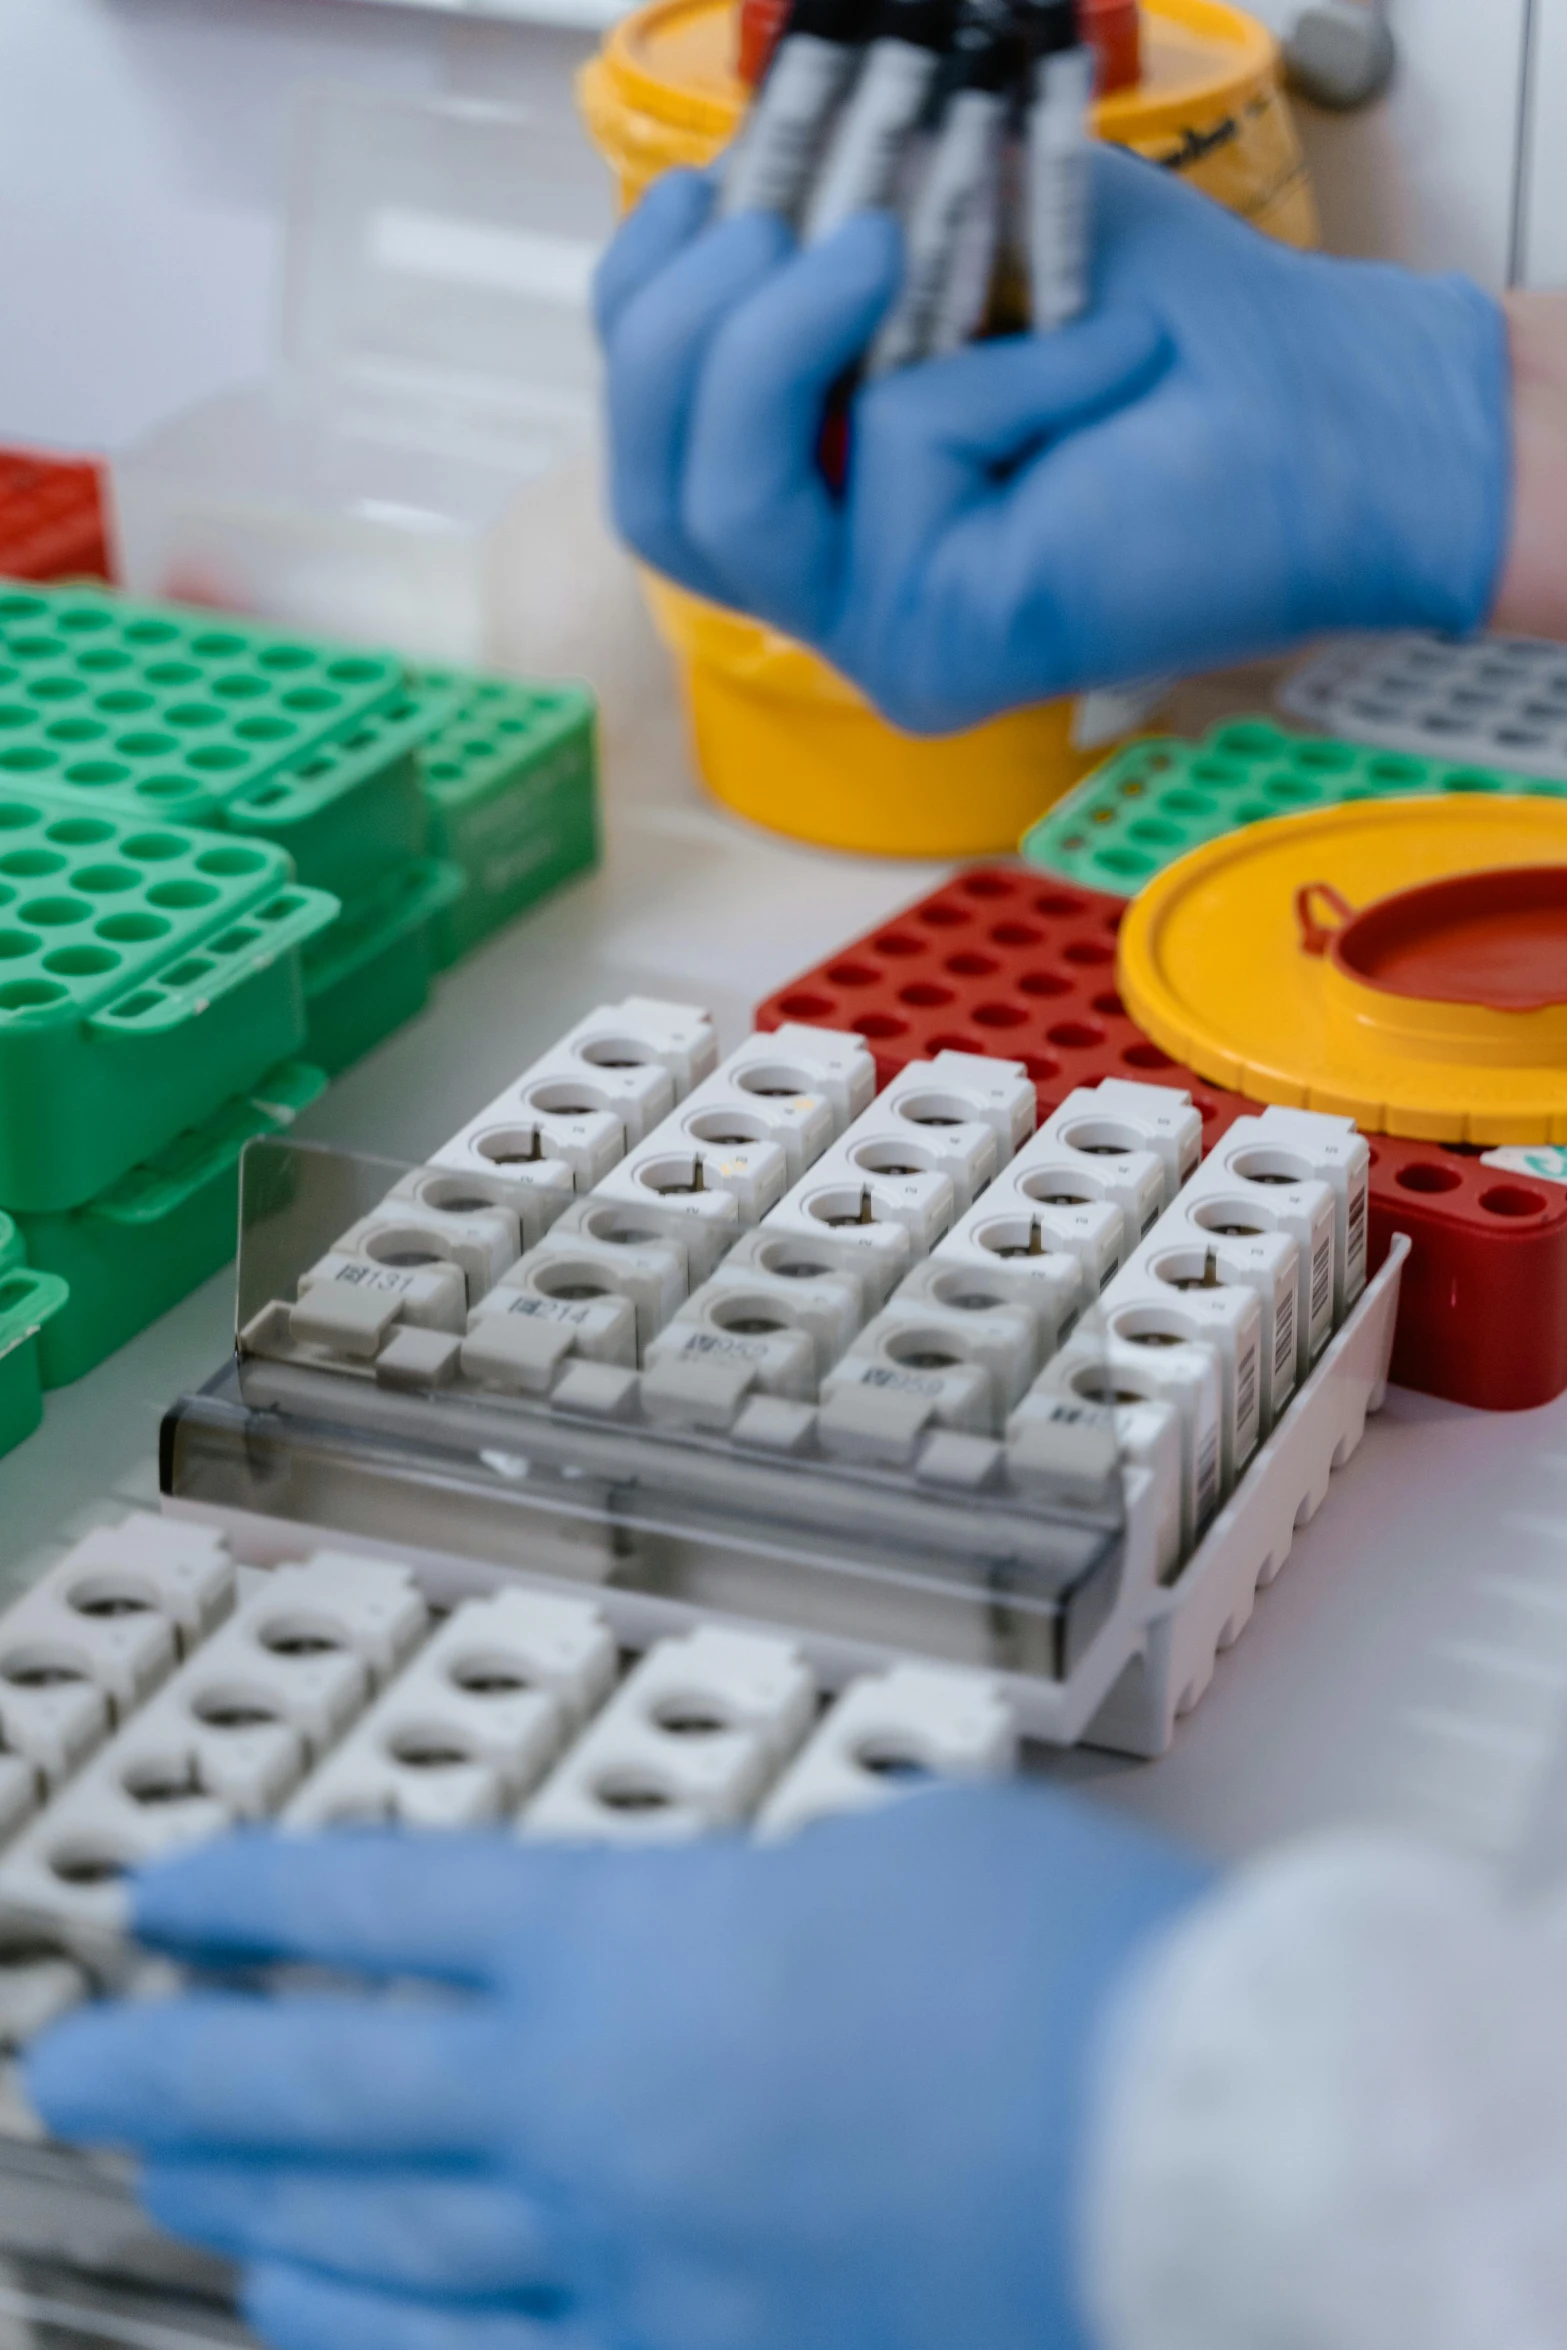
pixel 416 2230
pixel 994 400
pixel 1152 228
pixel 372 1900
pixel 656 352
pixel 299 2309
pixel 755 501
pixel 942 442
pixel 674 211
pixel 303 2077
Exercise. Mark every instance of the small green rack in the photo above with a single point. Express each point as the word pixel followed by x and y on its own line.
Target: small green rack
pixel 511 774
pixel 11 1250
pixel 150 711
pixel 157 1234
pixel 148 974
pixel 354 810
pixel 28 1302
pixel 187 709
pixel 373 969
pixel 1160 798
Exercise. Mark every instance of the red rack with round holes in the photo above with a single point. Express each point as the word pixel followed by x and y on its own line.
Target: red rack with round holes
pixel 1482 1317
pixel 999 961
pixel 1012 963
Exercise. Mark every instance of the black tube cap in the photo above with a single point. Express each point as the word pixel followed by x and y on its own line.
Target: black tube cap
pixel 989 50
pixel 1051 26
pixel 925 24
pixel 848 21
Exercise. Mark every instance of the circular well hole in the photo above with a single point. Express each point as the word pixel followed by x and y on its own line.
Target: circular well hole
pixel 82 962
pixel 1426 1175
pixel 301 1636
pixel 84 1862
pixel 886 1758
pixel 428 1748
pixel 235 1709
pixel 169 1779
pixel 633 1791
pixel 691 1717
pixel 42 1668
pixel 104 1597
pixel 489 1676
pixel 1511 1199
pixel 53 913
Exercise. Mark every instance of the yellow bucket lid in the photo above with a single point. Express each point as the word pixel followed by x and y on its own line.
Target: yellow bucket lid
pixel 675 61
pixel 1338 961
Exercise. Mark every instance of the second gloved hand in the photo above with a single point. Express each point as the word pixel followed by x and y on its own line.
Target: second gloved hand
pixel 714 2098
pixel 1239 447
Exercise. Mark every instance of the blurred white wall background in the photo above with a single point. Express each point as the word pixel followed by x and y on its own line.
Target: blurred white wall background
pixel 142 169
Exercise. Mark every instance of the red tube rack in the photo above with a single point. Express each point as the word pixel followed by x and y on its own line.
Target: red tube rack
pixel 1000 961
pixel 51 518
pixel 1009 962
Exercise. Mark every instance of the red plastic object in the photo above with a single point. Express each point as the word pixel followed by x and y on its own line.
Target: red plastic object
pixel 1000 961
pixel 761 22
pixel 1482 1316
pixel 1497 939
pixel 1009 962
pixel 1114 28
pixel 51 518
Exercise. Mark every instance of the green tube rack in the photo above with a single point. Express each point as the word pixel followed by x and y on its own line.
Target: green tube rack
pixel 223 845
pixel 148 974
pixel 28 1302
pixel 198 719
pixel 373 969
pixel 510 772
pixel 355 810
pixel 1160 798
pixel 158 1233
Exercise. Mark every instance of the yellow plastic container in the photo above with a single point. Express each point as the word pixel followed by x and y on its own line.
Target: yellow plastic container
pixel 1227 960
pixel 780 736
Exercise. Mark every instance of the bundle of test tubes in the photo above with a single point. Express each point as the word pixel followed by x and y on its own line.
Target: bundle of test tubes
pixel 969 119
pixel 770 1252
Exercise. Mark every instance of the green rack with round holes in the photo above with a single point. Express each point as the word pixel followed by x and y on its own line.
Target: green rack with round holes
pixel 373 969
pixel 28 1302
pixel 511 774
pixel 157 1234
pixel 1160 798
pixel 354 810
pixel 196 718
pixel 148 974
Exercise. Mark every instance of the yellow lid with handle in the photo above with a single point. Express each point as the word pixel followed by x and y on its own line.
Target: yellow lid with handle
pixel 1403 963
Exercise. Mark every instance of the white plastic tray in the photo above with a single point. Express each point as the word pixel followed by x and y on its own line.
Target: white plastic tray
pixel 1155 1653
pixel 1495 701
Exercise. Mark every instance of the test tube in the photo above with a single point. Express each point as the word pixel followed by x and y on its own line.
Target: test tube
pixel 772 164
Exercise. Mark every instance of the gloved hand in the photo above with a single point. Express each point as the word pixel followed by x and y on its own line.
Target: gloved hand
pixel 711 2098
pixel 1238 447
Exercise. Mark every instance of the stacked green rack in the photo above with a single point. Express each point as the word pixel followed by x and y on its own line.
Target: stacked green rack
pixel 506 775
pixel 28 1302
pixel 230 860
pixel 1160 798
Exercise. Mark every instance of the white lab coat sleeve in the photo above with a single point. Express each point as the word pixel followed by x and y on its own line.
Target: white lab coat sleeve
pixel 1332 2115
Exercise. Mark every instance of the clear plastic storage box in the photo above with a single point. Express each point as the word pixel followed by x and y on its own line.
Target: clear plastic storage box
pixel 408 473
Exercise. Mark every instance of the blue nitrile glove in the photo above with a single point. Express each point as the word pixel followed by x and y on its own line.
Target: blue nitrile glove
pixel 1238 447
pixel 711 2098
